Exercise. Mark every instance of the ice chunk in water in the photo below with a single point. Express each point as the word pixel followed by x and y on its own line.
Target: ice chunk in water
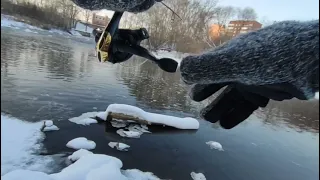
pixel 81 143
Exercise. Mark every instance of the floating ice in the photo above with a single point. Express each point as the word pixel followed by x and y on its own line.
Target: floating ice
pixel 129 134
pixel 197 176
pixel 81 143
pixel 50 128
pixel 19 145
pixel 118 124
pixel 215 145
pixel 137 128
pixel 48 123
pixel 180 123
pixel 78 154
pixel 85 118
pixel 120 146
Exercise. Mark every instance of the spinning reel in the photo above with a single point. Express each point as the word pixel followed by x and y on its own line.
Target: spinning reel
pixel 118 45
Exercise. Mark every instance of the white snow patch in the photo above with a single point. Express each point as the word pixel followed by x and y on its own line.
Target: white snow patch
pixel 214 145
pixel 78 154
pixel 180 123
pixel 102 115
pixel 85 118
pixel 19 143
pixel 197 176
pixel 316 96
pixel 51 128
pixel 26 174
pixel 81 143
pixel 87 167
pixel 120 146
pixel 177 56
pixel 48 123
pixel 129 134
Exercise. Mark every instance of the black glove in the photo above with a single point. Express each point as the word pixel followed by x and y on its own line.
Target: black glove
pixel 278 62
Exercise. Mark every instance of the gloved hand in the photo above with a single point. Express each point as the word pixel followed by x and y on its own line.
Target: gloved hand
pixel 278 62
pixel 117 5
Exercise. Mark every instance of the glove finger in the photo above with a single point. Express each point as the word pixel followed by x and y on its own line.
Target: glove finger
pixel 242 110
pixel 271 92
pixel 220 105
pixel 256 99
pixel 200 92
pixel 230 108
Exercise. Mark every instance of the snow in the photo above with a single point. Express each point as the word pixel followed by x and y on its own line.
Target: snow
pixel 138 128
pixel 19 144
pixel 51 128
pixel 75 33
pixel 180 123
pixel 81 143
pixel 129 134
pixel 85 118
pixel 102 115
pixel 26 174
pixel 120 146
pixel 82 27
pixel 18 160
pixel 214 145
pixel 78 154
pixel 316 95
pixel 29 31
pixel 7 21
pixel 48 123
pixel 197 176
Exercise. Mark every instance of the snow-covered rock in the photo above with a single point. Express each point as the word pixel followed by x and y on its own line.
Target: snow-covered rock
pixel 81 143
pixel 129 134
pixel 214 145
pixel 102 115
pixel 78 154
pixel 197 176
pixel 120 146
pixel 180 123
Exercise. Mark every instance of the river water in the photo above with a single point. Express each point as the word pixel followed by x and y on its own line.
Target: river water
pixel 58 78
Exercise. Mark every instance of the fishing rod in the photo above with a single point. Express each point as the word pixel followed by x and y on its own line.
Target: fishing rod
pixel 118 45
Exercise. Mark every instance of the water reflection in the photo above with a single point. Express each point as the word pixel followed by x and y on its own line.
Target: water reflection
pixel 58 78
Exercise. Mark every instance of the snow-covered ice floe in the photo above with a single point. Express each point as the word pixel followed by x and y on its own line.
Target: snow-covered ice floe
pixel 129 134
pixel 151 118
pixel 81 143
pixel 119 146
pixel 87 167
pixel 214 145
pixel 49 126
pixel 85 118
pixel 197 176
pixel 20 144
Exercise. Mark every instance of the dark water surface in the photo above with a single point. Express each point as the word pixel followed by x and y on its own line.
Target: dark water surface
pixel 58 78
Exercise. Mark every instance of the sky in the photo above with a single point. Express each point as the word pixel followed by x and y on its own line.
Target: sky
pixel 273 10
pixel 278 10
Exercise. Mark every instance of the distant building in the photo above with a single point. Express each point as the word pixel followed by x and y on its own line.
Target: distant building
pixel 216 31
pixel 240 27
pixel 99 20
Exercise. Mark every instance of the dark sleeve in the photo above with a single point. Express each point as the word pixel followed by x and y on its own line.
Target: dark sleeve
pixel 284 52
pixel 116 5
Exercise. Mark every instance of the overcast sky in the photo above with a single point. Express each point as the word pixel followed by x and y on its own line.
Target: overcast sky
pixel 280 9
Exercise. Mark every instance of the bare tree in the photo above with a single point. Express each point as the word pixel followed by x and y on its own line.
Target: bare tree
pixel 247 14
pixel 87 15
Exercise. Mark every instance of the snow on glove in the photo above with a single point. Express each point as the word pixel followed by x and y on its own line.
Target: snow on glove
pixel 117 5
pixel 277 62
